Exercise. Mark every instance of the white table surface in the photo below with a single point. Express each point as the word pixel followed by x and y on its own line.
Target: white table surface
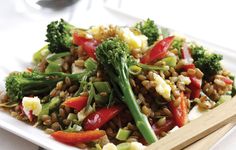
pixel 210 20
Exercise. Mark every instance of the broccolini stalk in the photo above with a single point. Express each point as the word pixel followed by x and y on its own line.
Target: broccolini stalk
pixel 114 56
pixel 20 84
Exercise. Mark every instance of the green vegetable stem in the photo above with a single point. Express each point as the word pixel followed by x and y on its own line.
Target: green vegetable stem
pixel 114 56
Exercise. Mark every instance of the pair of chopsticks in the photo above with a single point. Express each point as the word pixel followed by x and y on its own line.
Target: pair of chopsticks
pixel 207 142
pixel 197 129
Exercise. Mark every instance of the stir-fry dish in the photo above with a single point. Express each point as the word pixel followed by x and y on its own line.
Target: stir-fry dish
pixel 116 87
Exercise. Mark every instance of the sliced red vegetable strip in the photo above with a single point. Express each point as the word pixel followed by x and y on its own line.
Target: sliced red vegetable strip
pixel 188 66
pixel 90 48
pixel 100 117
pixel 77 103
pixel 159 51
pixel 196 83
pixel 226 80
pixel 79 40
pixel 195 92
pixel 88 45
pixel 179 112
pixel 74 138
pixel 170 124
pixel 195 87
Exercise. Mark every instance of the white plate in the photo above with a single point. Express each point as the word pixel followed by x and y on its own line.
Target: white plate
pixel 21 58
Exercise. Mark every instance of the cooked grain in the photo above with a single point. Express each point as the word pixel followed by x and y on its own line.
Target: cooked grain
pixel 161 121
pixel 167 112
pixel 56 126
pixel 141 77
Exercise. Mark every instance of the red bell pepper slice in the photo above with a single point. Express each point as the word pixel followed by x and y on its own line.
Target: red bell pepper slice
pixel 195 87
pixel 170 124
pixel 89 45
pixel 79 40
pixel 196 83
pixel 77 103
pixel 226 80
pixel 74 138
pixel 195 92
pixel 159 51
pixel 180 112
pixel 90 48
pixel 100 117
pixel 188 66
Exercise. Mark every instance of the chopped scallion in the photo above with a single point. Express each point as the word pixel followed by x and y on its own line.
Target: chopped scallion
pixel 123 134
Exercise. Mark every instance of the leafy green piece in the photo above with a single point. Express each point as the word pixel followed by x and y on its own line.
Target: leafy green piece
pixel 54 66
pixel 72 117
pixel 102 87
pixel 170 61
pixel 44 111
pixel 178 43
pixel 55 101
pixel 90 64
pixel 123 134
pixel 73 128
pixel 56 56
pixel 55 61
pixel 91 95
pixel 40 54
pixel 90 67
pixel 52 104
pixel 152 67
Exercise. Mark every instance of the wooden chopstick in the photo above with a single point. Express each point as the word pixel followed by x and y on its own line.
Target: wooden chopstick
pixel 207 142
pixel 198 128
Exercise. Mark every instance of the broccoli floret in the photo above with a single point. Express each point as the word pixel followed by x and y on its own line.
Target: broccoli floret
pixel 20 84
pixel 197 52
pixel 149 29
pixel 59 36
pixel 208 63
pixel 114 57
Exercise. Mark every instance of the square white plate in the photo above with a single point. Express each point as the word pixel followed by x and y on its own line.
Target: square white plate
pixel 25 43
